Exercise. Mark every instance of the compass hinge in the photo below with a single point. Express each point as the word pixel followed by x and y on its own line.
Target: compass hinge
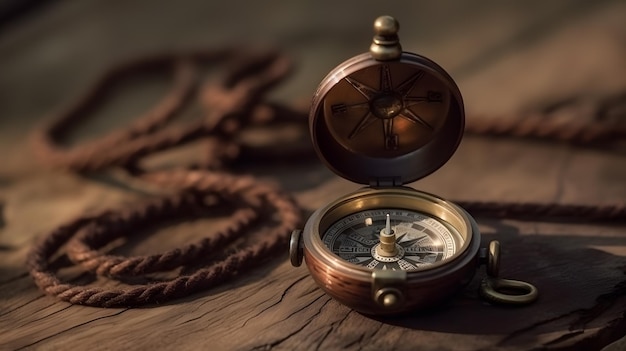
pixel 388 288
pixel 385 182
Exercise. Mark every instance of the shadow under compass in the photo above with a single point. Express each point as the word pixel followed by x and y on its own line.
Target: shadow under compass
pixel 580 277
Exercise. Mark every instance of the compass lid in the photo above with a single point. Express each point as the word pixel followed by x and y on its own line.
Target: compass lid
pixel 386 117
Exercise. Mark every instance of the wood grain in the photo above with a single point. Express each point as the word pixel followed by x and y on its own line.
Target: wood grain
pixel 509 59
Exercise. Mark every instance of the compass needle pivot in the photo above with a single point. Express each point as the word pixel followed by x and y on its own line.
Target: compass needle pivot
pixel 387 245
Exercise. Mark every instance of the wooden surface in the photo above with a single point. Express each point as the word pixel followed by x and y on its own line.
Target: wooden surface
pixel 507 58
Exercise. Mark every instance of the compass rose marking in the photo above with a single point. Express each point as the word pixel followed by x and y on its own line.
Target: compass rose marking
pixel 357 260
pixel 387 103
pixel 416 259
pixel 354 250
pixel 385 78
pixel 410 242
pixel 367 119
pixel 342 108
pixel 362 88
pixel 405 88
pixel 356 236
pixel 413 117
pixel 414 100
pixel 432 96
pixel 406 265
pixel 339 108
pixel 372 264
pixel 391 139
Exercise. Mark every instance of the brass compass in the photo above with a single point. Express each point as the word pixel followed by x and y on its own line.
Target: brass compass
pixel 386 118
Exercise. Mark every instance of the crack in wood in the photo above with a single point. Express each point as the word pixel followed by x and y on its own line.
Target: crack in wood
pixel 523 330
pixel 46 316
pixel 282 296
pixel 323 338
pixel 194 319
pixel 216 297
pixel 582 317
pixel 211 311
pixel 564 337
pixel 22 305
pixel 307 323
pixel 611 332
pixel 372 336
pixel 71 328
pixel 603 303
pixel 358 341
pixel 269 346
pixel 262 310
pixel 303 307
pixel 205 301
pixel 332 327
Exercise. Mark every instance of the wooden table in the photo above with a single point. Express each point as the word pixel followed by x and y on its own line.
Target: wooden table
pixel 508 58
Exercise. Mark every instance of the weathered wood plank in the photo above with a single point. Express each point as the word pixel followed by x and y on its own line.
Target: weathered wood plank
pixel 281 306
pixel 514 58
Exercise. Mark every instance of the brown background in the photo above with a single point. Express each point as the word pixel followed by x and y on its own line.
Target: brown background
pixel 507 57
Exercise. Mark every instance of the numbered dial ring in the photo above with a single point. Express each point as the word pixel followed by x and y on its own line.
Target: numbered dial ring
pixel 417 241
pixel 402 118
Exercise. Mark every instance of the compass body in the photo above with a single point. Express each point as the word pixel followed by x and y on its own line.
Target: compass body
pixel 436 249
pixel 383 119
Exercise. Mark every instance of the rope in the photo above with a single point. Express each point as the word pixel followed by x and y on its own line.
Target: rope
pixel 83 236
pixel 228 103
pixel 539 127
pixel 585 122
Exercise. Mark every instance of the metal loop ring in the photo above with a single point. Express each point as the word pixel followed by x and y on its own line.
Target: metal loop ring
pixel 493 260
pixel 490 289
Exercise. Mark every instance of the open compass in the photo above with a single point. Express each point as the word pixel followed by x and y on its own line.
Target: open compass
pixel 383 119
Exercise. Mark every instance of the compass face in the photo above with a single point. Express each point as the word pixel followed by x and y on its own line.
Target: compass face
pixel 420 240
pixel 387 110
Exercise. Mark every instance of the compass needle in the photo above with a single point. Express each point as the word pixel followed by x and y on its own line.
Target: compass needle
pixel 388 225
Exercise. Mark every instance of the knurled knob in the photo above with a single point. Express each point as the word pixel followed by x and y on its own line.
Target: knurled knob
pixel 386 44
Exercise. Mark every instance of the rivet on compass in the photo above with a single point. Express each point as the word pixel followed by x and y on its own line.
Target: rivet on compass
pixel 386 44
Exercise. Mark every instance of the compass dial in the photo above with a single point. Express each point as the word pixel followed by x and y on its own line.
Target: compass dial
pixel 387 109
pixel 420 240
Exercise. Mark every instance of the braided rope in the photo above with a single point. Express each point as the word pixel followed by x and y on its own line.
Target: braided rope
pixel 83 247
pixel 538 126
pixel 79 233
pixel 88 156
pixel 587 122
pixel 228 103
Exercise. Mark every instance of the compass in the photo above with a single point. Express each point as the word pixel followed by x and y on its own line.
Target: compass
pixel 383 119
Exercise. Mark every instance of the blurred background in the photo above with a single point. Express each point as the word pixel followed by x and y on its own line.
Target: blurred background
pixel 507 56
